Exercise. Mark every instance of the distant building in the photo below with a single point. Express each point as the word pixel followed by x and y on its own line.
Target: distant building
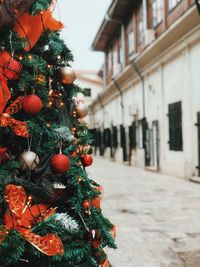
pixel 148 114
pixel 92 84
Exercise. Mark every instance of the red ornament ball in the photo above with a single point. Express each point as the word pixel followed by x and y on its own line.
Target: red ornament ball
pixel 12 69
pixel 60 163
pixel 86 204
pixel 87 160
pixel 32 104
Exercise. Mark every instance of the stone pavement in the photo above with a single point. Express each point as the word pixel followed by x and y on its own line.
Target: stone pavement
pixel 157 216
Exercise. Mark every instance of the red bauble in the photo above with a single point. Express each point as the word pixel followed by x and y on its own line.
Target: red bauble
pixel 86 204
pixel 95 239
pixel 73 155
pixel 87 160
pixel 32 104
pixel 60 163
pixel 12 69
pixel 96 202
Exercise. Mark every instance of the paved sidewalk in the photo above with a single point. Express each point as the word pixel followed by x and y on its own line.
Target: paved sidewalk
pixel 157 216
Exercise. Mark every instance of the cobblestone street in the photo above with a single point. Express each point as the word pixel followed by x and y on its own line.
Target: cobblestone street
pixel 157 216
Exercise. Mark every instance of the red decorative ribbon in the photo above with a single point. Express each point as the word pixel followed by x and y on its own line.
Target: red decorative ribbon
pixel 4 90
pixel 32 27
pixel 21 216
pixel 18 127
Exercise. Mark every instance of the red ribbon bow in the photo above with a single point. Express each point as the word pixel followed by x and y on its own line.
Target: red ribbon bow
pixel 18 127
pixel 21 216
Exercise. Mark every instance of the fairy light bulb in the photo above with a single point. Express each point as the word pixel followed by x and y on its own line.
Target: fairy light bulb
pixel 30 57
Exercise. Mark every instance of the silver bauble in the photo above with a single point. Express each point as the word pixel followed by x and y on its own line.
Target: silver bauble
pixel 29 159
pixel 67 75
pixel 81 110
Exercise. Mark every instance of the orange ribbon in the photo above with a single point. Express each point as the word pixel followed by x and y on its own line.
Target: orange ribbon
pixel 18 127
pixel 32 27
pixel 21 216
pixel 4 90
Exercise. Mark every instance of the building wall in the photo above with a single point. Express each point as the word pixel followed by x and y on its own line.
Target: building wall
pixel 174 78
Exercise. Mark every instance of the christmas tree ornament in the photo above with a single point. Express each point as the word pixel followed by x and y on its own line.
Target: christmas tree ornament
pixel 95 239
pixel 12 69
pixel 73 154
pixel 21 216
pixel 106 264
pixel 48 55
pixel 60 163
pixel 101 257
pixel 4 154
pixel 87 160
pixel 113 231
pixel 32 104
pixel 40 79
pixel 96 202
pixel 86 204
pixel 81 110
pixel 67 75
pixel 29 160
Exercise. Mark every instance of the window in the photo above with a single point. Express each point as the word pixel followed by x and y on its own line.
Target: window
pixel 131 42
pixel 87 92
pixel 140 26
pixel 172 4
pixel 140 135
pixel 132 136
pixel 156 12
pixel 175 126
pixel 115 137
pixel 130 38
pixel 115 56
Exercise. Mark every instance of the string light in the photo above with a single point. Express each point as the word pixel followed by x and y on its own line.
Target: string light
pixel 49 104
pixel 20 57
pixel 48 66
pixel 58 57
pixel 30 57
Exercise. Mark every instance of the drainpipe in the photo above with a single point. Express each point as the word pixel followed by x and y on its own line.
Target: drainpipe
pixel 143 88
pixel 121 95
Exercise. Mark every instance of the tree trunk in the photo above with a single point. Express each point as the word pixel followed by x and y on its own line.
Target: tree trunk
pixel 8 8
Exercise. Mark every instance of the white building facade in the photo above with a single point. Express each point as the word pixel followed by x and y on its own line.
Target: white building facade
pixel 148 114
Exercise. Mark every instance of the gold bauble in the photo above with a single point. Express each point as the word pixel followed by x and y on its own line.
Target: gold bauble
pixel 67 75
pixel 81 110
pixel 29 159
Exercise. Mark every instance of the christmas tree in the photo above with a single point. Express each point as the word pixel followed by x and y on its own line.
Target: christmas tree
pixel 50 212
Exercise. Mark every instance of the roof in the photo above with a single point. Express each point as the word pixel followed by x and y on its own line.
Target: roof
pixel 118 11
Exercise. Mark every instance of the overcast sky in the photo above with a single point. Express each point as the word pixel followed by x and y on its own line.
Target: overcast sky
pixel 82 19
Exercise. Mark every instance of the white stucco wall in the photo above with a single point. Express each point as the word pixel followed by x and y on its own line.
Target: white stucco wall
pixel 175 79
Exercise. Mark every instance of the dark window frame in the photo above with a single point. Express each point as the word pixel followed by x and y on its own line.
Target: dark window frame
pixel 175 126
